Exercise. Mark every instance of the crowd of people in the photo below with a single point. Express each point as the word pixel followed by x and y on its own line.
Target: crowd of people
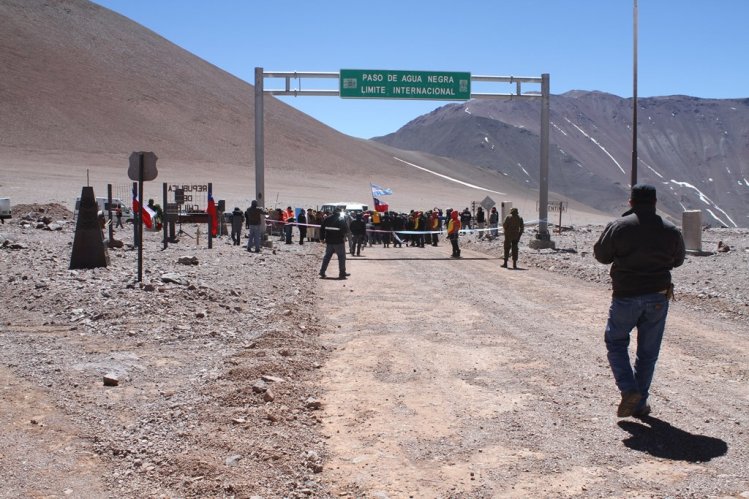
pixel 390 229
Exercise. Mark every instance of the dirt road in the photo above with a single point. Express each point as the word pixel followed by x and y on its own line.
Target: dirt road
pixel 455 378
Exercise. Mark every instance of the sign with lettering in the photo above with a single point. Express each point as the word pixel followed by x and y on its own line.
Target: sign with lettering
pixel 387 84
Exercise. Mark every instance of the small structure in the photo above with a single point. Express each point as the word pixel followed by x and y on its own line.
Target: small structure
pixel 89 251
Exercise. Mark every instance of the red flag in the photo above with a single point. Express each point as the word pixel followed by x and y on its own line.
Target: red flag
pixel 147 214
pixel 212 213
pixel 381 207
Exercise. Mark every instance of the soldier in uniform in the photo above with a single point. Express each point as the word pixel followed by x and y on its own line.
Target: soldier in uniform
pixel 513 228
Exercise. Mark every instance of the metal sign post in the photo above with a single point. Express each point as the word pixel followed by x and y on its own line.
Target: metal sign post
pixel 384 84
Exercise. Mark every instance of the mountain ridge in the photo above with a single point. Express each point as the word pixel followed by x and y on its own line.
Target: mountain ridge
pixel 695 150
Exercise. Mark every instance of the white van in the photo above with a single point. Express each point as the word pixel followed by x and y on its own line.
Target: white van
pixel 127 211
pixel 351 208
pixel 5 208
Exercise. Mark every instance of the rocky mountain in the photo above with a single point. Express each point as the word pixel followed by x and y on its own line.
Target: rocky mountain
pixel 83 87
pixel 696 151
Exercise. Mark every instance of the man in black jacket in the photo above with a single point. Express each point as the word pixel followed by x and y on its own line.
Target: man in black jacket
pixel 642 248
pixel 333 232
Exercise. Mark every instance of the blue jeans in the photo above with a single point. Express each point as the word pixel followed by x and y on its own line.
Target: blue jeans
pixel 255 237
pixel 648 314
pixel 340 251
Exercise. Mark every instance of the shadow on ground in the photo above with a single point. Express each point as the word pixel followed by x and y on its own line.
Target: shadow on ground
pixel 661 439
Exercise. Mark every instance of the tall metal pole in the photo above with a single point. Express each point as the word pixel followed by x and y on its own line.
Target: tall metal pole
pixel 543 195
pixel 140 218
pixel 259 140
pixel 634 96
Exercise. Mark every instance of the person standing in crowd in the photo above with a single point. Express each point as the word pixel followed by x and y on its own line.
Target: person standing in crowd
pixel 118 214
pixel 302 225
pixel 494 222
pixel 398 225
pixel 237 220
pixel 453 232
pixel 466 218
pixel 513 228
pixel 311 230
pixel 254 215
pixel 289 222
pixel 358 235
pixel 480 221
pixel 642 248
pixel 386 225
pixel 333 234
pixel 434 226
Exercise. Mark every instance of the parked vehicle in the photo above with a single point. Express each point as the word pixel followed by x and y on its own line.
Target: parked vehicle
pixel 127 211
pixel 351 208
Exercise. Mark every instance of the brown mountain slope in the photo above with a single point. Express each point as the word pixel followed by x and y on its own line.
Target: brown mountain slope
pixel 83 87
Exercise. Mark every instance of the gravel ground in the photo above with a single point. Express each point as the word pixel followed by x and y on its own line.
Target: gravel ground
pixel 216 393
pixel 714 283
pixel 217 381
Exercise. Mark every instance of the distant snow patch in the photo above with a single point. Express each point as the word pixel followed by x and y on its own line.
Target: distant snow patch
pixel 650 168
pixel 707 201
pixel 718 218
pixel 524 170
pixel 746 182
pixel 709 179
pixel 448 178
pixel 560 130
pixel 486 139
pixel 599 145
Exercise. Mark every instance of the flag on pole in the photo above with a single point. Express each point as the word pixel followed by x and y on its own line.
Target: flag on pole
pixel 212 213
pixel 380 191
pixel 380 206
pixel 146 213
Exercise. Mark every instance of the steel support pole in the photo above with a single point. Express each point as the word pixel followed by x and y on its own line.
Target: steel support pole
pixel 140 218
pixel 543 194
pixel 633 180
pixel 259 140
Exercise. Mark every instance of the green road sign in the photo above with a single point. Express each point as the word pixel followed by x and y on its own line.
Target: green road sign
pixel 386 84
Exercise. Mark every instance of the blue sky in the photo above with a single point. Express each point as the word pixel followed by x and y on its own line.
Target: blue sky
pixel 691 47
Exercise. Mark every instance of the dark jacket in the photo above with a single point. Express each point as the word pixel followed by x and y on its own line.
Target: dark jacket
pixel 358 227
pixel 333 229
pixel 237 220
pixel 513 226
pixel 253 215
pixel 643 248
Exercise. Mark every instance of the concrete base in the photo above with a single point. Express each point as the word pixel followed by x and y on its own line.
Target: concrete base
pixel 541 244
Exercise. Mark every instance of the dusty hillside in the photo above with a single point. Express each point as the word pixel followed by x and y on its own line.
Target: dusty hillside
pixel 85 87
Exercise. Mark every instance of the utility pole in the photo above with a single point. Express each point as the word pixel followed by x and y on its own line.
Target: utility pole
pixel 633 181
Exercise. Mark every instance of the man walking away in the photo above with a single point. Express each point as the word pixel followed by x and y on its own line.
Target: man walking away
pixel 642 248
pixel 513 228
pixel 333 233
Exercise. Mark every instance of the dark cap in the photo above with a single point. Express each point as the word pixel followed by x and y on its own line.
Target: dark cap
pixel 643 193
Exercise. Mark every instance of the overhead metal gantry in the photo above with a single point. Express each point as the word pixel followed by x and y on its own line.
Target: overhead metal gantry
pixel 298 91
